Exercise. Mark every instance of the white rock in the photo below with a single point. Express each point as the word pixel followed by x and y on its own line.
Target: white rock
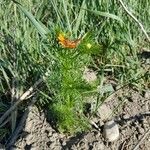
pixel 147 94
pixel 111 131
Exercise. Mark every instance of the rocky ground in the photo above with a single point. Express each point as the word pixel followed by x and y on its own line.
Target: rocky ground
pixel 128 108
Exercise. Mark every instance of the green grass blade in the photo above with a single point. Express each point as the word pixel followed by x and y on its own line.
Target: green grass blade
pixel 42 30
pixel 80 17
pixel 67 16
pixel 5 76
pixel 105 14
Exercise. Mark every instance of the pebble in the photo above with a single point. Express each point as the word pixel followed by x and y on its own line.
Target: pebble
pixel 111 131
pixel 147 94
pixel 126 117
pixel 140 130
pixel 104 112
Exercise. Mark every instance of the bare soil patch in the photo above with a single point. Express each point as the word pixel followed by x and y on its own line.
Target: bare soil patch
pixel 132 116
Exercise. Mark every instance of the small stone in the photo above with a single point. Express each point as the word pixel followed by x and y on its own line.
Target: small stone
pixel 125 116
pixel 147 94
pixel 50 134
pixel 140 130
pixel 111 131
pixel 63 143
pixel 104 112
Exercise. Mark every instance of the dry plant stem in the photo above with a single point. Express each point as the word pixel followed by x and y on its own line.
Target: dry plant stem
pixel 142 139
pixel 14 97
pixel 94 124
pixel 6 121
pixel 20 99
pixel 135 19
pixel 14 136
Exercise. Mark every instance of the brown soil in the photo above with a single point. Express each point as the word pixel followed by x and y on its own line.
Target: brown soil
pixel 132 115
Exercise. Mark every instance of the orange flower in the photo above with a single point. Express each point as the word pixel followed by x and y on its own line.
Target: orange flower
pixel 66 43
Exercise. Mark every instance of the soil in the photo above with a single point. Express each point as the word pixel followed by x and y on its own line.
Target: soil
pixel 132 116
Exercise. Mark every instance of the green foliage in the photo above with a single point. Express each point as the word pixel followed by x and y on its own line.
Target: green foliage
pixel 68 103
